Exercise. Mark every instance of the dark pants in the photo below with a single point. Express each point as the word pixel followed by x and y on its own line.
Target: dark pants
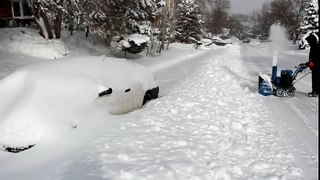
pixel 315 80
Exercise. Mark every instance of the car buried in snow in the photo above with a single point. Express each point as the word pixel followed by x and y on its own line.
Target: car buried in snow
pixel 246 40
pixel 43 98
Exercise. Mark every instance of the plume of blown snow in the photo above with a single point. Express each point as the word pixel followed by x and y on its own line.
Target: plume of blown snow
pixel 279 39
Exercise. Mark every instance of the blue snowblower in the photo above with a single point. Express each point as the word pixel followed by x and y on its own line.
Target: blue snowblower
pixel 282 86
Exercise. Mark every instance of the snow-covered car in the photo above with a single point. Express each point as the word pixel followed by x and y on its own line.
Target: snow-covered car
pixel 215 40
pixel 42 97
pixel 219 42
pixel 246 40
pixel 264 39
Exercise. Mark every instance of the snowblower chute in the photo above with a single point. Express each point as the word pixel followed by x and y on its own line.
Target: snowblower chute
pixel 282 86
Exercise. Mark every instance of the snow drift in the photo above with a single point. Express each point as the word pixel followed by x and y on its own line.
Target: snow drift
pixel 26 41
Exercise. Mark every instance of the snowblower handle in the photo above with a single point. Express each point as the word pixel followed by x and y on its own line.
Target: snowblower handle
pixel 299 69
pixel 302 67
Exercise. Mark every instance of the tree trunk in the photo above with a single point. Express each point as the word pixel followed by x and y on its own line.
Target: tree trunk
pixel 47 25
pixel 163 29
pixel 42 20
pixel 318 32
pixel 58 21
pixel 294 38
pixel 87 31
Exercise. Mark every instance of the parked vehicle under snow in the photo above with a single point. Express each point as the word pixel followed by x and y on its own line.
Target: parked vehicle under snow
pixel 39 98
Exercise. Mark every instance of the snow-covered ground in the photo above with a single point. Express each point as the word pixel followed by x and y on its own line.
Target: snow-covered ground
pixel 209 122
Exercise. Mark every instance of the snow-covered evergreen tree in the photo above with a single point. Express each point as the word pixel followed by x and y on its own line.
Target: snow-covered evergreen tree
pixel 139 14
pixel 139 18
pixel 73 17
pixel 111 20
pixel 188 28
pixel 114 19
pixel 311 20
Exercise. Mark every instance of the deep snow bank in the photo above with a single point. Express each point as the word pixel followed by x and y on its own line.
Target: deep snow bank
pixel 27 41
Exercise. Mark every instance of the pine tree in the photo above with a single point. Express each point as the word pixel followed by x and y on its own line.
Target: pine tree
pixel 139 17
pixel 188 28
pixel 139 14
pixel 114 19
pixel 311 20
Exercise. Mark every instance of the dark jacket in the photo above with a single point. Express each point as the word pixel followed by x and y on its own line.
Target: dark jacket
pixel 314 55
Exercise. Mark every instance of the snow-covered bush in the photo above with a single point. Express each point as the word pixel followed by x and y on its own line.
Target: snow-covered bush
pixel 134 43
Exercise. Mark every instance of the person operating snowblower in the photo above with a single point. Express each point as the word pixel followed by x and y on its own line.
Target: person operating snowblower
pixel 283 86
pixel 314 64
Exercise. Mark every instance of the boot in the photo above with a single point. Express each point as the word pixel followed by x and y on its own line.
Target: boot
pixel 313 94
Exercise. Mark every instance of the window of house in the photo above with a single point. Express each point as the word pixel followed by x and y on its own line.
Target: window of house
pixel 26 10
pixel 20 9
pixel 16 8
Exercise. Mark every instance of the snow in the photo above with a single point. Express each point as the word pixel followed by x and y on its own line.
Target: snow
pixel 316 5
pixel 279 41
pixel 137 39
pixel 28 42
pixel 208 123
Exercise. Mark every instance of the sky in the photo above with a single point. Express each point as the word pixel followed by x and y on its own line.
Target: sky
pixel 246 6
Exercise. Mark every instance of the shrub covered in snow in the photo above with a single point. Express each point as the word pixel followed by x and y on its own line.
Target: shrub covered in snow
pixel 134 43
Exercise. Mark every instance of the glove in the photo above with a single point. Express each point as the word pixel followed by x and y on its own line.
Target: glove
pixel 310 64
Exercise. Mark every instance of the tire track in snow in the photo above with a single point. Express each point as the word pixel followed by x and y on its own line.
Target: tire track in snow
pixel 306 121
pixel 305 150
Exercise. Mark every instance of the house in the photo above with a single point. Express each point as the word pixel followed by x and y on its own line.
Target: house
pixel 15 13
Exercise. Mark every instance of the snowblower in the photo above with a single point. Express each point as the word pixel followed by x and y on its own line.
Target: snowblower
pixel 282 86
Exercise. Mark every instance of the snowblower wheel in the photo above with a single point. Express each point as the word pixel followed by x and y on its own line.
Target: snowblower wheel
pixel 280 92
pixel 290 92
